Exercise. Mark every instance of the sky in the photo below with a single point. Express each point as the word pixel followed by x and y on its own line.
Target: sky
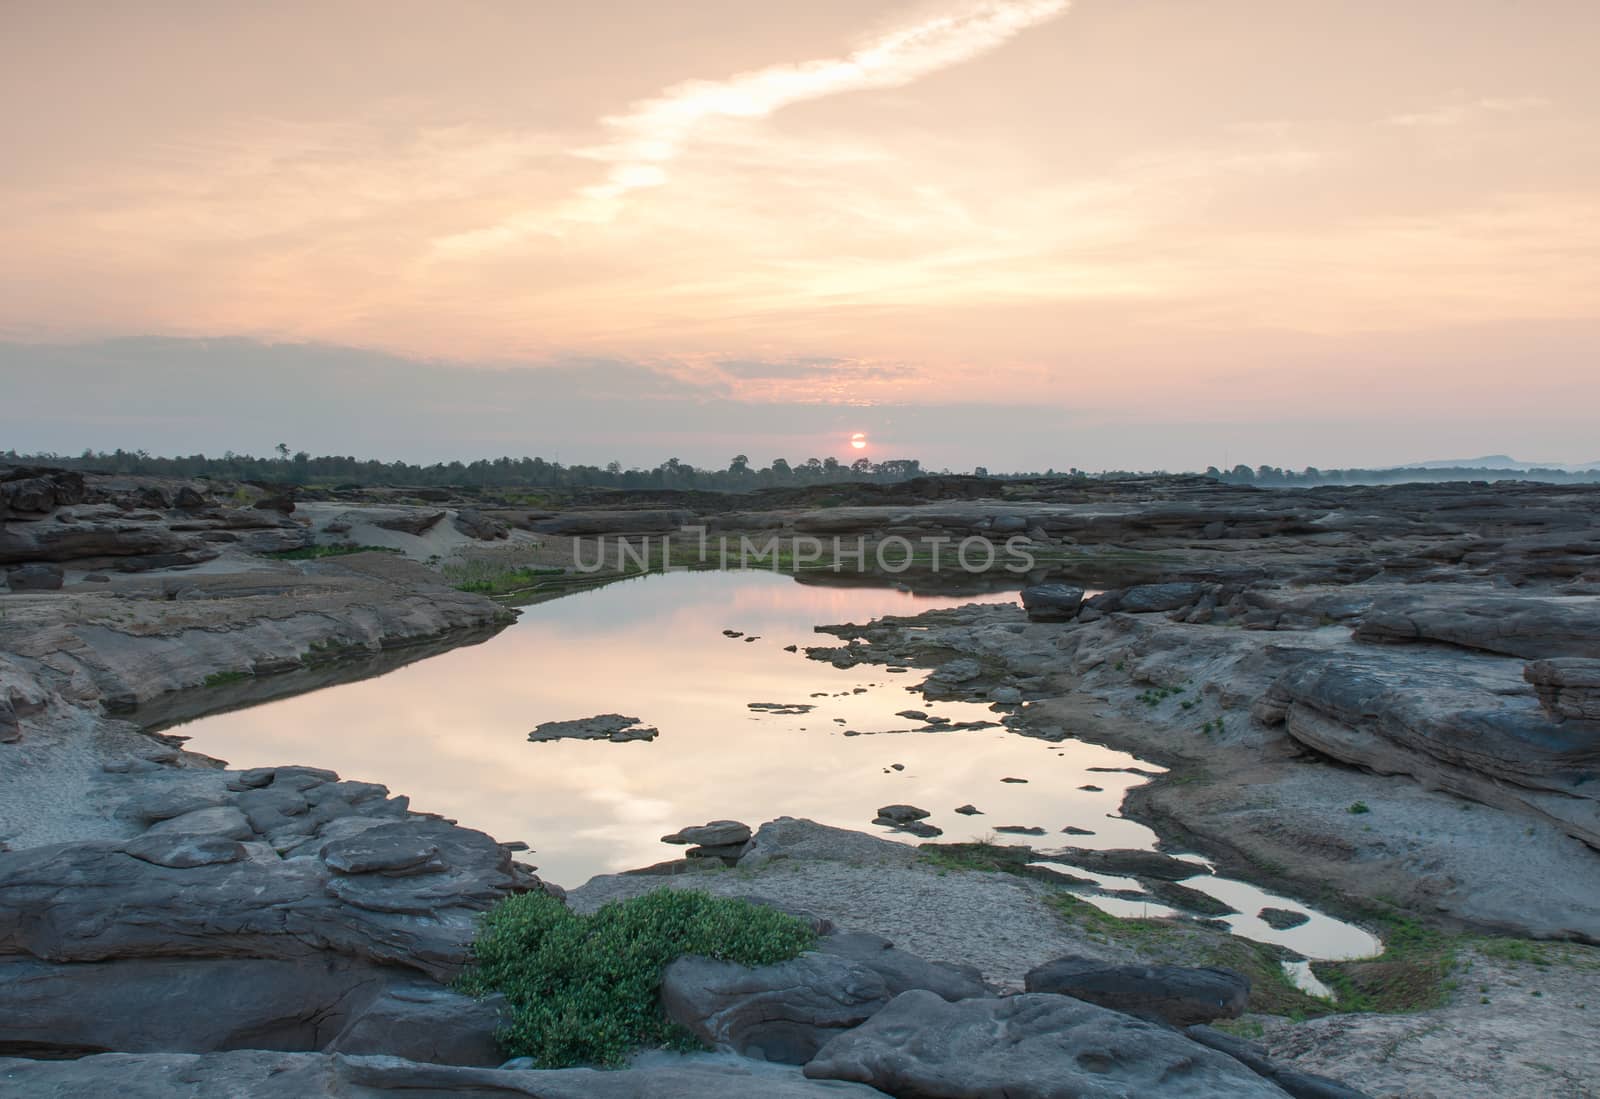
pixel 1018 233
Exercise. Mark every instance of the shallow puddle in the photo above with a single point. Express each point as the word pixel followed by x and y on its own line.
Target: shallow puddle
pixel 451 732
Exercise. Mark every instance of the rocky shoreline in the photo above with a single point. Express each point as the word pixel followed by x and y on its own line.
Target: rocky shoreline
pixel 1427 653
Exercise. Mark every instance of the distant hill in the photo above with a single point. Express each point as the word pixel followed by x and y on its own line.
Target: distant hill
pixel 1500 461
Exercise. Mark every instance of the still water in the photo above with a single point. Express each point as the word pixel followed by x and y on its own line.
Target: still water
pixel 451 731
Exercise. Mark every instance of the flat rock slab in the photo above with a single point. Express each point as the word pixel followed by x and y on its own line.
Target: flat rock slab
pixel 718 833
pixel 616 728
pixel 1032 1046
pixel 262 1074
pixel 1173 994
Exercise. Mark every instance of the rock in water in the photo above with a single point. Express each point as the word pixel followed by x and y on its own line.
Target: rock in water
pixel 613 727
pixel 1034 1046
pixel 1282 918
pixel 900 814
pixel 1173 994
pixel 1052 602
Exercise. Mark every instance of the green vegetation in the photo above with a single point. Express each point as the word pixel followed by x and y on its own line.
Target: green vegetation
pixel 311 553
pixel 584 989
pixel 495 578
pixel 1412 973
pixel 1358 807
pixel 222 679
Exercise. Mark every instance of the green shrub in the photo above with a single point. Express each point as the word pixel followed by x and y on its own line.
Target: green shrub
pixel 311 553
pixel 584 989
pixel 1358 807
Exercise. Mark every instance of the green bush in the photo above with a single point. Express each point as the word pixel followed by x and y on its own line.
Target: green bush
pixel 584 989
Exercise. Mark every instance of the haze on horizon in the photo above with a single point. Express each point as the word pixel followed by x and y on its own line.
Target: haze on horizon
pixel 1017 233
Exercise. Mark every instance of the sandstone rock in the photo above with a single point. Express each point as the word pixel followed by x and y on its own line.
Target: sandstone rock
pixel 717 833
pixel 475 524
pixel 1300 1085
pixel 1129 862
pixel 1529 628
pixel 901 814
pixel 1030 1046
pixel 391 849
pixel 1052 602
pixel 222 821
pixel 1283 918
pixel 261 1074
pixel 799 838
pixel 1169 993
pixel 411 521
pixel 34 578
pixel 1568 687
pixel 421 1021
pixel 613 727
pixel 902 971
pixel 184 852
pixel 783 1012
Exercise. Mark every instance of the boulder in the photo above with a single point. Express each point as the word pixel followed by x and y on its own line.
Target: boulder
pixel 902 971
pixel 1301 1085
pixel 717 833
pixel 1282 918
pixel 799 838
pixel 1169 993
pixel 1052 602
pixel 901 814
pixel 1031 1046
pixel 783 1012
pixel 410 521
pixel 1568 687
pixel 422 1021
pixel 1529 628
pixel 475 524
pixel 35 578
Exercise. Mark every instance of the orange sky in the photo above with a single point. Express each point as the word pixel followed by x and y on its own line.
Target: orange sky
pixel 1206 208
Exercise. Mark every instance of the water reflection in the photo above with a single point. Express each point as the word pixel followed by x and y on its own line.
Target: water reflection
pixel 451 731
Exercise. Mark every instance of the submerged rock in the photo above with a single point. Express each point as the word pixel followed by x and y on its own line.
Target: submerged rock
pixel 616 728
pixel 715 834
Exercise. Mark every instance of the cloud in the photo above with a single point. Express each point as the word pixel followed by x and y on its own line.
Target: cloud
pixel 655 131
pixel 1458 114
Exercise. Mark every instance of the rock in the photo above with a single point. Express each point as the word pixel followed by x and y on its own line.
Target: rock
pixel 1568 687
pixel 799 838
pixel 192 1005
pixel 222 821
pixel 1014 780
pixel 1020 829
pixel 912 827
pixel 1172 994
pixel 783 1012
pixel 183 852
pixel 1300 1085
pixel 728 852
pixel 10 726
pixel 35 578
pixel 266 1074
pixel 1529 628
pixel 1282 919
pixel 421 1021
pixel 901 970
pixel 55 900
pixel 1440 719
pixel 475 524
pixel 960 670
pixel 390 849
pixel 1052 602
pixel 613 522
pixel 901 814
pixel 1149 598
pixel 1006 696
pixel 970 811
pixel 717 833
pixel 1030 1046
pixel 1129 863
pixel 613 727
pixel 412 521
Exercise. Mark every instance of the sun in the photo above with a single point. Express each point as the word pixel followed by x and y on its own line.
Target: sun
pixel 859 440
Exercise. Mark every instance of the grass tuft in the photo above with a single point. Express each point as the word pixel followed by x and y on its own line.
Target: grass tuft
pixel 584 989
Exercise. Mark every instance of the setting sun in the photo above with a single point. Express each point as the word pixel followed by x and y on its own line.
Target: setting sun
pixel 858 441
